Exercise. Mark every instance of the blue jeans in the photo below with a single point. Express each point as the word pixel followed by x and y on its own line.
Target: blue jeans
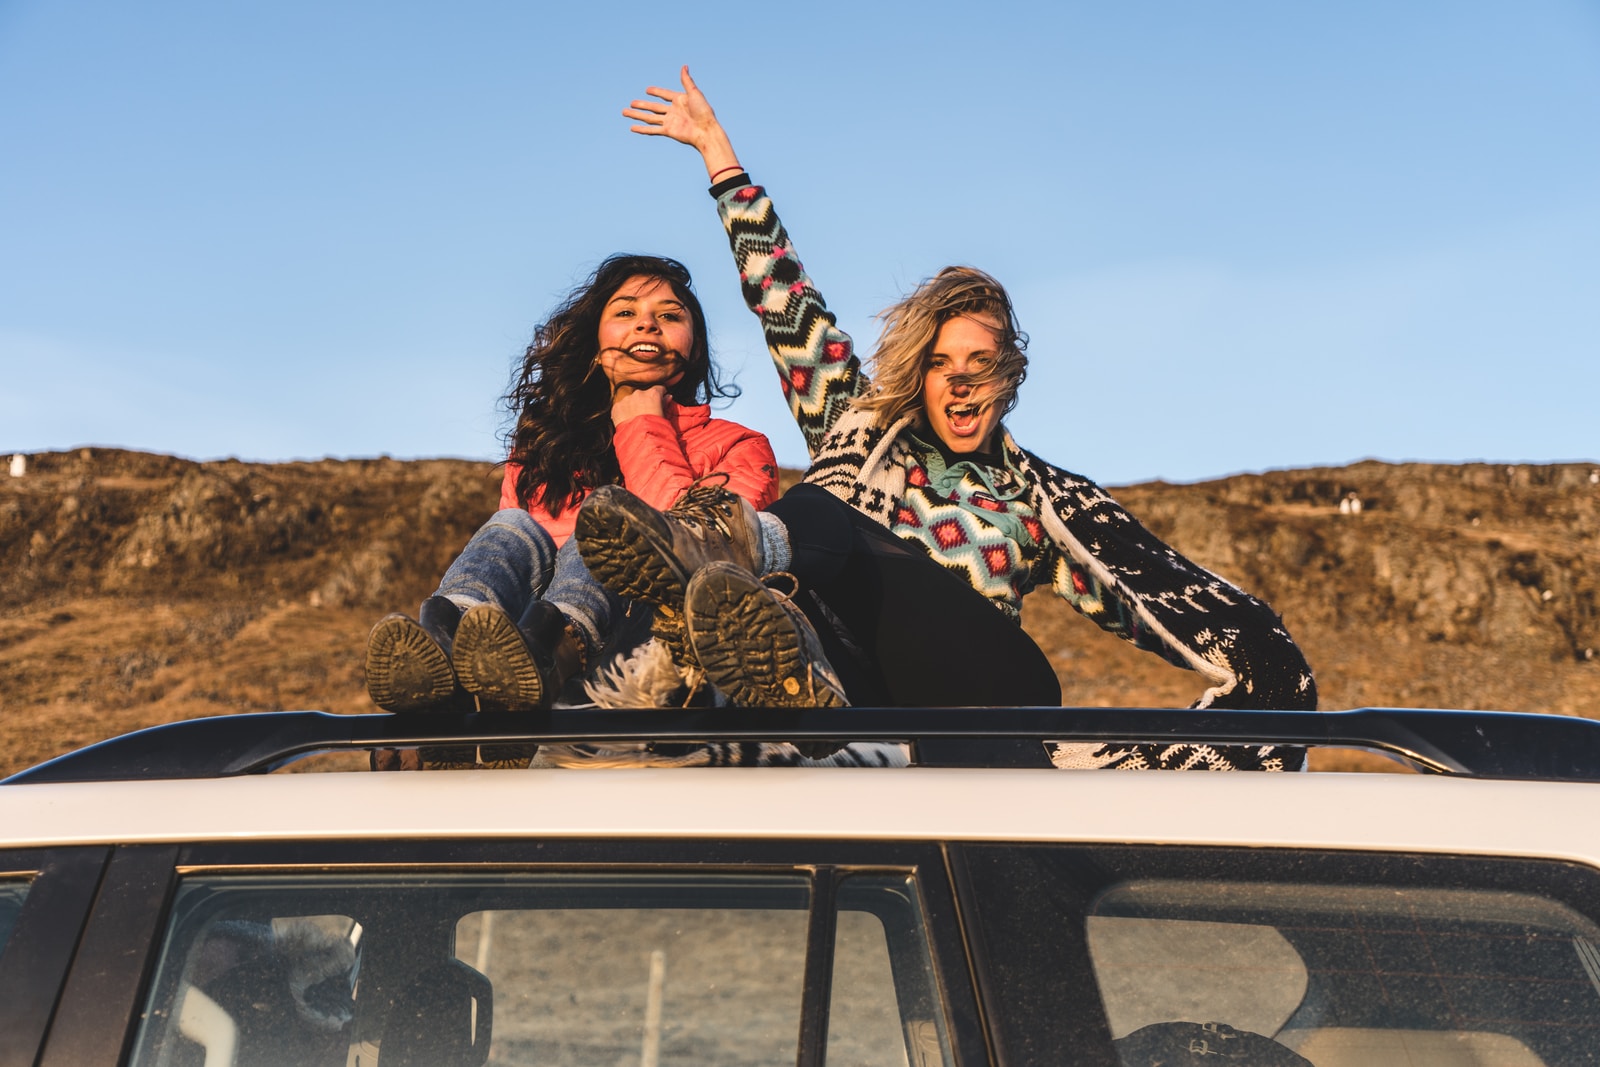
pixel 512 561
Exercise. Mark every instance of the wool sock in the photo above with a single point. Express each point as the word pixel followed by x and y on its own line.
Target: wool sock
pixel 776 554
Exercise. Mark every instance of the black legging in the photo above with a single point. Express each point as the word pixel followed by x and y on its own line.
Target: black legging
pixel 915 635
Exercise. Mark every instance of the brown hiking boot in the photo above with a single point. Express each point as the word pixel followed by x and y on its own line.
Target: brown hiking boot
pixel 644 554
pixel 517 666
pixel 408 660
pixel 755 645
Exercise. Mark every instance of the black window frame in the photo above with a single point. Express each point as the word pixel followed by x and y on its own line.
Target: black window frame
pixel 100 1008
pixel 35 960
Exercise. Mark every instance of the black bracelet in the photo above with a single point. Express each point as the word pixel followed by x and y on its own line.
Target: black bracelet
pixel 728 184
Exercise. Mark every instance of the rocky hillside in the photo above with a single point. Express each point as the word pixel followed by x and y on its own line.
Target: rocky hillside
pixel 140 588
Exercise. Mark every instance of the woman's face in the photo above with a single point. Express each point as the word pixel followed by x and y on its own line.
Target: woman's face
pixel 646 334
pixel 963 415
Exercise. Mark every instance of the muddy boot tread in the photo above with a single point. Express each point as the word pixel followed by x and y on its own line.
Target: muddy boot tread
pixel 406 669
pixel 495 664
pixel 750 645
pixel 627 557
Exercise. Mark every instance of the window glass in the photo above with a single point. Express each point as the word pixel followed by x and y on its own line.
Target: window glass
pixel 12 893
pixel 248 986
pixel 885 1007
pixel 649 984
pixel 532 968
pixel 1345 975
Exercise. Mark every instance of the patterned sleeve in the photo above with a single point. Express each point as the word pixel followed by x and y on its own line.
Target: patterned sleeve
pixel 816 360
pixel 1130 582
pixel 1091 599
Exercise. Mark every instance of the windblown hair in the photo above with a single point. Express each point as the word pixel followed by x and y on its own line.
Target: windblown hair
pixel 561 398
pixel 909 329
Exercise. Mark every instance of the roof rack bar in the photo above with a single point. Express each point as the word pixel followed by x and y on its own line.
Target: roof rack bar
pixel 1484 744
pixel 1479 744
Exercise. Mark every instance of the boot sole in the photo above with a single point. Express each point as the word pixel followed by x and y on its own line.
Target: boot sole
pixel 494 663
pixel 747 643
pixel 406 669
pixel 627 556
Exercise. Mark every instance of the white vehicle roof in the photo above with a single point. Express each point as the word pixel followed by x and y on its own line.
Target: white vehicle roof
pixel 1557 820
pixel 1514 785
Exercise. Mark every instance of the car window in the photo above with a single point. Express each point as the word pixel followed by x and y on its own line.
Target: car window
pixel 12 893
pixel 1345 975
pixel 533 968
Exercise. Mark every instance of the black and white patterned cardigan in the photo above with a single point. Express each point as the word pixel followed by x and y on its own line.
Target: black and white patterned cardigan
pixel 1236 642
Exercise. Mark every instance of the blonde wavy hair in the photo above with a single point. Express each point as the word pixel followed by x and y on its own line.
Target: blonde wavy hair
pixel 909 328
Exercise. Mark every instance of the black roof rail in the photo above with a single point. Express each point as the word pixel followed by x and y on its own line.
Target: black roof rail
pixel 1481 744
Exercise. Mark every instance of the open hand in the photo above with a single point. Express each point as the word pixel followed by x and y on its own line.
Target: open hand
pixel 686 117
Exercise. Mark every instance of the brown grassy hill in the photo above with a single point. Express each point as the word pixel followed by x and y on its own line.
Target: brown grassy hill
pixel 138 588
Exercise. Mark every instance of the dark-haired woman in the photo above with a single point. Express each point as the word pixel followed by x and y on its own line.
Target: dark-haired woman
pixel 613 390
pixel 921 523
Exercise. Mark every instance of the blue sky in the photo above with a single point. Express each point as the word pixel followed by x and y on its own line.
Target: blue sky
pixel 1242 235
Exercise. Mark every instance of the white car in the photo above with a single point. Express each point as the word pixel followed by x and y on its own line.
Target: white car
pixel 164 900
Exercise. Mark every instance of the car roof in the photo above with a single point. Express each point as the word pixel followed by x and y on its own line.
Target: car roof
pixel 1558 820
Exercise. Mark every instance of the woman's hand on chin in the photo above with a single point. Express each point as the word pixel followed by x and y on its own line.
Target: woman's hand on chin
pixel 630 401
pixel 687 118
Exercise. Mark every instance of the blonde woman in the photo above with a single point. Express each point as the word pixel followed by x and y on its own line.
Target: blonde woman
pixel 920 523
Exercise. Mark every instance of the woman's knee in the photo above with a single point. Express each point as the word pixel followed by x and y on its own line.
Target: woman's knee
pixel 819 528
pixel 508 560
pixel 514 526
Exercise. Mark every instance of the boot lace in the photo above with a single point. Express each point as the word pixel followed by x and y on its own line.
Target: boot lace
pixel 780 595
pixel 706 503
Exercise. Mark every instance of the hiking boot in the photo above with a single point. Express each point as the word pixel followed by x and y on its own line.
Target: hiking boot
pixel 755 644
pixel 643 554
pixel 408 660
pixel 517 666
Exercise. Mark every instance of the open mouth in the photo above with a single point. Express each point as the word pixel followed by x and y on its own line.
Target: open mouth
pixel 646 352
pixel 963 418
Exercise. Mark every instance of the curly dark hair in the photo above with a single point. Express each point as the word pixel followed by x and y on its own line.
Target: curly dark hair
pixel 561 399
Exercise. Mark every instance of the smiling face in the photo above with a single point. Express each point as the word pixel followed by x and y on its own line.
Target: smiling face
pixel 646 334
pixel 962 414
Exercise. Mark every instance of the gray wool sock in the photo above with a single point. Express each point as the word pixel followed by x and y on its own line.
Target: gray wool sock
pixel 776 555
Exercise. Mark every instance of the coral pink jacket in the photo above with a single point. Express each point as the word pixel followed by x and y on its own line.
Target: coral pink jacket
pixel 661 456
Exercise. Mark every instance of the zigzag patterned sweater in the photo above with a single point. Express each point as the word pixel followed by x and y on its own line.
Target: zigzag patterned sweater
pixel 1099 558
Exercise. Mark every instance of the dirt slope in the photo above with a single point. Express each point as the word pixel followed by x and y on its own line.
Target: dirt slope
pixel 138 588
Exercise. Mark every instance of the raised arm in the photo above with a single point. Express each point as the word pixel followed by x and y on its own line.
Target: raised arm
pixel 815 360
